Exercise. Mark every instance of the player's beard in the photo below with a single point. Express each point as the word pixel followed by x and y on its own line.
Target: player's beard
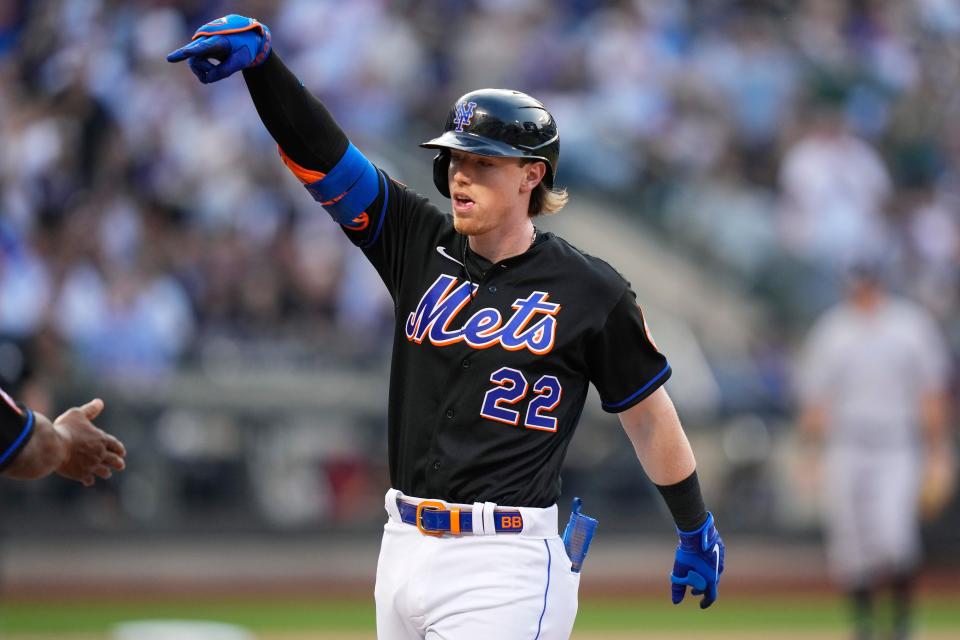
pixel 466 226
pixel 472 225
pixel 480 219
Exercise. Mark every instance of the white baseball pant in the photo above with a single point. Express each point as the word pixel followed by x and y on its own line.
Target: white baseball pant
pixel 478 585
pixel 872 519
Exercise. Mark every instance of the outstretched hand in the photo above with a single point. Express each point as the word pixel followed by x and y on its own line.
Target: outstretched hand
pixel 234 42
pixel 90 452
pixel 698 564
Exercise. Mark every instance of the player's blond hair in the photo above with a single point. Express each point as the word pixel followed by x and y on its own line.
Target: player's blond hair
pixel 544 200
pixel 547 201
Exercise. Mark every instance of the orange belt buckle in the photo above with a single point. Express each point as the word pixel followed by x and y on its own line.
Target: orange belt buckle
pixel 430 505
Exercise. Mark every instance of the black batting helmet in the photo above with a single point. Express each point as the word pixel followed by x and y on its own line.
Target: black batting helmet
pixel 500 123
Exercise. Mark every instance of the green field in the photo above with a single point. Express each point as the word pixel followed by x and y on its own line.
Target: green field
pixel 773 617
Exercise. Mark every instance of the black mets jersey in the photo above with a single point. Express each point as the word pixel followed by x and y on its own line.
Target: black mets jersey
pixel 491 362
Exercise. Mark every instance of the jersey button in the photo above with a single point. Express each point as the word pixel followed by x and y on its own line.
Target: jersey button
pixel 492 289
pixel 436 465
pixel 450 413
pixel 466 364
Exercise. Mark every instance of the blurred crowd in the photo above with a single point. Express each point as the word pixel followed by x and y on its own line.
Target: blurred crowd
pixel 146 221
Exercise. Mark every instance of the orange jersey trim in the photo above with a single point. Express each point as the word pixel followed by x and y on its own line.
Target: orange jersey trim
pixel 646 330
pixel 306 176
pixel 249 27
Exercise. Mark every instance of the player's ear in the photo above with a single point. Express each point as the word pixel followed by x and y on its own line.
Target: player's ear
pixel 533 174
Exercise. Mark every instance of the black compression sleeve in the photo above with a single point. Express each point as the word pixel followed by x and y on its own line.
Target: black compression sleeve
pixel 299 123
pixel 685 502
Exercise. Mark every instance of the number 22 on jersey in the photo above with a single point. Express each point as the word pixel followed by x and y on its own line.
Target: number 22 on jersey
pixel 511 388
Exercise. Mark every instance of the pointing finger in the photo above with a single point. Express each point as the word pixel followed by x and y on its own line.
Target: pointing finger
pixel 182 53
pixel 178 55
pixel 207 47
pixel 196 48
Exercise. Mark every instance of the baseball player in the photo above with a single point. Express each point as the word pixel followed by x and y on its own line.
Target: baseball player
pixel 873 383
pixel 500 328
pixel 32 447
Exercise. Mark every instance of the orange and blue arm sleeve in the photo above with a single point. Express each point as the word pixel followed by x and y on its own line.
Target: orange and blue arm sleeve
pixel 313 146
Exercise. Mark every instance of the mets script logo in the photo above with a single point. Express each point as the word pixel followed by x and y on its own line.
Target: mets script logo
pixel 464 115
pixel 531 326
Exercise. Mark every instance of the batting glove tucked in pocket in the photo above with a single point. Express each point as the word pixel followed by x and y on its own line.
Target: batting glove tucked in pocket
pixel 235 41
pixel 698 563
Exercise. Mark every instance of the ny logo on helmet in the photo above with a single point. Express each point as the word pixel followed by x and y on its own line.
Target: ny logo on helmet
pixel 464 115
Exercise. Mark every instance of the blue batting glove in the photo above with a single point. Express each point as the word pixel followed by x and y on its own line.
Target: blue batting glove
pixel 234 41
pixel 698 563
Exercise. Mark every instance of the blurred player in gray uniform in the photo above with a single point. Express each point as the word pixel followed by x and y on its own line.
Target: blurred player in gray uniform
pixel 873 384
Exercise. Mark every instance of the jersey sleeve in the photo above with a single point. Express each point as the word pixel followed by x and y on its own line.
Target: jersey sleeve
pixel 16 429
pixel 622 359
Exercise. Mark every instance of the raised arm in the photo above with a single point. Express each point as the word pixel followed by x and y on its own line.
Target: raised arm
pixel 310 142
pixel 372 210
